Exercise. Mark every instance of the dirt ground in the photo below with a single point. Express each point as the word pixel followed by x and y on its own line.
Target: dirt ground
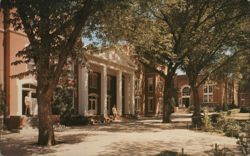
pixel 143 137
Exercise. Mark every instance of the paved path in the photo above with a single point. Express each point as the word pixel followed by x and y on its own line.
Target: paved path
pixel 143 137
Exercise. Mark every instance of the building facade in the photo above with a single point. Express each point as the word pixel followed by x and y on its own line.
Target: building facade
pixel 112 78
pixel 211 93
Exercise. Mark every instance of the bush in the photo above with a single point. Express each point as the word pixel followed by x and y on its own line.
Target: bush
pixel 214 118
pixel 229 126
pixel 245 110
pixel 62 101
pixel 244 140
pixel 191 108
pixel 232 128
pixel 63 106
pixel 74 120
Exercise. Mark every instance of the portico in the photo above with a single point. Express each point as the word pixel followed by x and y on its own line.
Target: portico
pixel 107 82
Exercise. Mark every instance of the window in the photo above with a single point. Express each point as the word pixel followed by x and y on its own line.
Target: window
pixel 137 103
pixel 186 91
pixel 137 84
pixel 207 93
pixel 150 84
pixel 150 104
pixel 108 83
pixel 93 80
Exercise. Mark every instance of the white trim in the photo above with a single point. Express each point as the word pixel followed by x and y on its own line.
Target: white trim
pixel 20 92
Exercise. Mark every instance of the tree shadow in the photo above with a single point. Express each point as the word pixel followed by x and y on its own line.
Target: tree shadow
pixel 138 148
pixel 21 146
pixel 223 151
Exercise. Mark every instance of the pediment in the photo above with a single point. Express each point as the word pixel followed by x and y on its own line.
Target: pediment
pixel 115 56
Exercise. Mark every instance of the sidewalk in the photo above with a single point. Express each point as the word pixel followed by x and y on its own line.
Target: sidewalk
pixel 141 137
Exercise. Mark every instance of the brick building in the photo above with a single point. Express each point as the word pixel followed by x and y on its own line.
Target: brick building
pixel 114 78
pixel 211 93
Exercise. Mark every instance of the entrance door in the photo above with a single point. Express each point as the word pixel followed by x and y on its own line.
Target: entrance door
pixel 186 102
pixel 92 105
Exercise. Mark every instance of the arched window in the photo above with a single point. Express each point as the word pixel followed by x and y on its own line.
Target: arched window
pixel 186 91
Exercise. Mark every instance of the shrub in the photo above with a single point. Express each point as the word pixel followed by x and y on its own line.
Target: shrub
pixel 74 120
pixel 225 107
pixel 191 108
pixel 244 140
pixel 232 128
pixel 229 126
pixel 62 101
pixel 214 118
pixel 245 110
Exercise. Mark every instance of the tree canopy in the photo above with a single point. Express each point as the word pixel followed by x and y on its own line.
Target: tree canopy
pixel 54 30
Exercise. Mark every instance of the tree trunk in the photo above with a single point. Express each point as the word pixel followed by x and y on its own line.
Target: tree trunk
pixel 167 99
pixel 46 132
pixel 197 117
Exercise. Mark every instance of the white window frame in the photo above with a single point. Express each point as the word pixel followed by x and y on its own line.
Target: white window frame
pixel 148 106
pixel 150 82
pixel 208 93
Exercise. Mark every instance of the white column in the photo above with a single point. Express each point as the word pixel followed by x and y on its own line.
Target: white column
pixel 235 92
pixel 126 95
pixel 132 92
pixel 119 92
pixel 104 90
pixel 83 90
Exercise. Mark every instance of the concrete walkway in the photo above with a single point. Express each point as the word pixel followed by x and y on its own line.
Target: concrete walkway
pixel 141 137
